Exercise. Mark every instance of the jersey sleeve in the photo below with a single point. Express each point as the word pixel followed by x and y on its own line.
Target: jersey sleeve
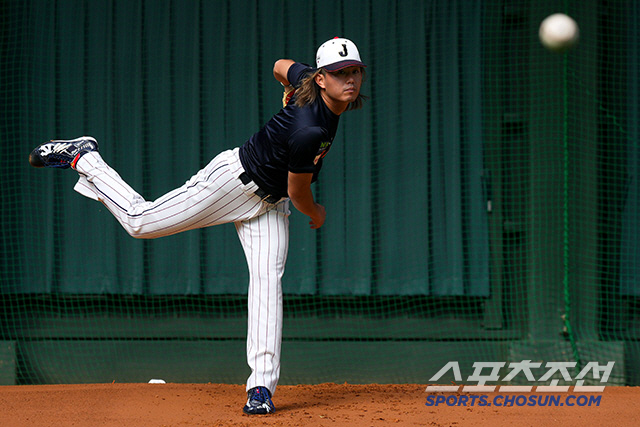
pixel 297 72
pixel 305 149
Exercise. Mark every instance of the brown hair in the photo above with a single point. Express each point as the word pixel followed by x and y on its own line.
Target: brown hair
pixel 309 91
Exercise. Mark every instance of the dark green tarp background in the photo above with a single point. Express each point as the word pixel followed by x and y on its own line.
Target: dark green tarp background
pixel 166 85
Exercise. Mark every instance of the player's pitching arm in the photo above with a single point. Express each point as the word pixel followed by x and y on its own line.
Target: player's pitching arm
pixel 302 198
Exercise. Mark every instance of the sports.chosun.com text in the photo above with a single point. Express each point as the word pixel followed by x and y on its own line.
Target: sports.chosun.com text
pixel 514 400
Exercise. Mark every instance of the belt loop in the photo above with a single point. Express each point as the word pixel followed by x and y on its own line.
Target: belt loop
pixel 264 196
pixel 245 178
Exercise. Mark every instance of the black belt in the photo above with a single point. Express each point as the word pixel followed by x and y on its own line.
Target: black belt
pixel 245 178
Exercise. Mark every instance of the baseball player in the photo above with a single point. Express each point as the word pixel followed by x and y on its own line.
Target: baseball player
pixel 249 186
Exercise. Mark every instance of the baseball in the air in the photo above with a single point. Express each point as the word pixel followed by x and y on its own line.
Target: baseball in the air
pixel 559 32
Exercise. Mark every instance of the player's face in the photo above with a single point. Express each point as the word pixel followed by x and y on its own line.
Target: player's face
pixel 342 86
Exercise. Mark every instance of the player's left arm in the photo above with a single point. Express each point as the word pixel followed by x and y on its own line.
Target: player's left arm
pixel 280 70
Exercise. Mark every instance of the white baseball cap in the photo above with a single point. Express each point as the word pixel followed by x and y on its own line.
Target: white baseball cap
pixel 338 53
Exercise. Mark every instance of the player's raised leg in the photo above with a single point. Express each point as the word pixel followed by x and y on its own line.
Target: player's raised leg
pixel 215 195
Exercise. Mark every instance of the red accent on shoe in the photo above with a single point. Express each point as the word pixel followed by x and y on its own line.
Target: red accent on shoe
pixel 75 160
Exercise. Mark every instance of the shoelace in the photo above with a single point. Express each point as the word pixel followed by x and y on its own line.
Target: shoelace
pixel 260 394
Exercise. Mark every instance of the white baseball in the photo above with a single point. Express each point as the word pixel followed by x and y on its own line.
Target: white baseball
pixel 559 32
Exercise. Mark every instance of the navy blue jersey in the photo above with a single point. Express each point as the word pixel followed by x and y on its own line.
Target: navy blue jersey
pixel 296 139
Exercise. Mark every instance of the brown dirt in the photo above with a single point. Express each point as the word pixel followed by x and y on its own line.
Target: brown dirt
pixel 143 405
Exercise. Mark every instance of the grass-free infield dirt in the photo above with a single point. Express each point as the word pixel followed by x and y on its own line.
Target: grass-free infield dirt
pixel 143 405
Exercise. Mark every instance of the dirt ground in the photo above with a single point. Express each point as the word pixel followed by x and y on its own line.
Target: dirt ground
pixel 145 405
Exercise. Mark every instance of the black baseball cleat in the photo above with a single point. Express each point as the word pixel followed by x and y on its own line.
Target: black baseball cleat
pixel 259 402
pixel 61 153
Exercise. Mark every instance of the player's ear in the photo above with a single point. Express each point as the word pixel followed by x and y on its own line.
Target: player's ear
pixel 320 80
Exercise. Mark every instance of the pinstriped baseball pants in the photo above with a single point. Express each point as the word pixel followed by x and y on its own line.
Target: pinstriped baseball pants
pixel 215 195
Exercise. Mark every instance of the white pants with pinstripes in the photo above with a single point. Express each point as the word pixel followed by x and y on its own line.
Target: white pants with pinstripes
pixel 215 195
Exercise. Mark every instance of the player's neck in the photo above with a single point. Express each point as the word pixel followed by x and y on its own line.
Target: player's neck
pixel 336 107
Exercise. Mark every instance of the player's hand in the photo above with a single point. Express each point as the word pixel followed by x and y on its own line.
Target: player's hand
pixel 318 218
pixel 288 93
